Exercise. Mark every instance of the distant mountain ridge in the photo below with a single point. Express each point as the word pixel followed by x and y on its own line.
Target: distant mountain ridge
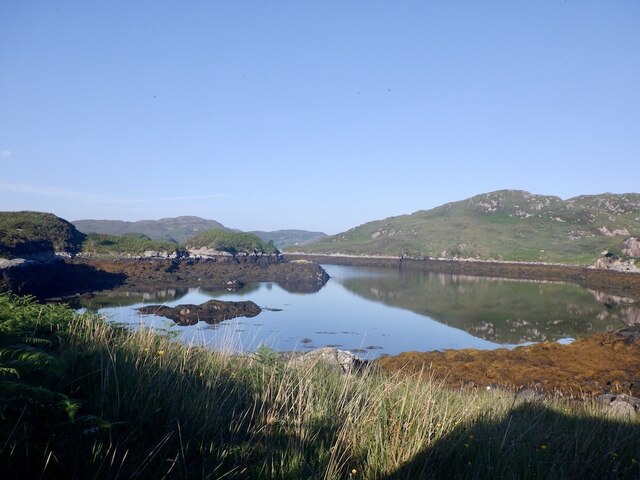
pixel 502 225
pixel 182 229
pixel 176 229
pixel 287 238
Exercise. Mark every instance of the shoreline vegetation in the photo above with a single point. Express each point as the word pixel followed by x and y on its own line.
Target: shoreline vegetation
pixel 83 398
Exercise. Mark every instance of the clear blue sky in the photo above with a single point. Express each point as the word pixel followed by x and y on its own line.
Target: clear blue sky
pixel 319 115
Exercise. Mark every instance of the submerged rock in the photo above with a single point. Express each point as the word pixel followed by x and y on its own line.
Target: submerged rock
pixel 211 312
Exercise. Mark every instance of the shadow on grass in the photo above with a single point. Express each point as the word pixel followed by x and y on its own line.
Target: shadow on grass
pixel 533 441
pixel 157 421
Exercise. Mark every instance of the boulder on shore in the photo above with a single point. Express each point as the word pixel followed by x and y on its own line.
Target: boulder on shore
pixel 342 360
pixel 631 247
pixel 610 261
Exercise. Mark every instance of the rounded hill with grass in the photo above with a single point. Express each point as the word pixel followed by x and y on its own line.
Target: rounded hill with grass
pixel 27 233
pixel 233 243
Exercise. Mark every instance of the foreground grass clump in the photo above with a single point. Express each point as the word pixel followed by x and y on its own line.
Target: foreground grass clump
pixel 139 405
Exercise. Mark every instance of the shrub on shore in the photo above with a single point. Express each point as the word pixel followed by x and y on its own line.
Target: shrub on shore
pixel 138 404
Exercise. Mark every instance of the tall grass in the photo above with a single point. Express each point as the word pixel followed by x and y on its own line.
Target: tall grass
pixel 149 407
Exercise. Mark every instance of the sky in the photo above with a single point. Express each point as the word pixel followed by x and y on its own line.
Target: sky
pixel 318 115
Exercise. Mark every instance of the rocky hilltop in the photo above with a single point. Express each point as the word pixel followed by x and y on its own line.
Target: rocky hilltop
pixel 509 225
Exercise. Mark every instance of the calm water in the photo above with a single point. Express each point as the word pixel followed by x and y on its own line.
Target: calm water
pixel 387 311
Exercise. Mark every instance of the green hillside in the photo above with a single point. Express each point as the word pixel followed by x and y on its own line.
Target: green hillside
pixel 231 242
pixel 23 233
pixel 503 225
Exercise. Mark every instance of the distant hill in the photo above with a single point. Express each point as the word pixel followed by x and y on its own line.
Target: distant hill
pixel 23 233
pixel 287 238
pixel 181 229
pixel 37 233
pixel 503 225
pixel 176 230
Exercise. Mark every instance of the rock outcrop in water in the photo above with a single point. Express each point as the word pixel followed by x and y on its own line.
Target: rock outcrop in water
pixel 211 312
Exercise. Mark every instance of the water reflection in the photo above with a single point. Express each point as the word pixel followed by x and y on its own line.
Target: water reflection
pixel 122 297
pixel 500 310
pixel 387 311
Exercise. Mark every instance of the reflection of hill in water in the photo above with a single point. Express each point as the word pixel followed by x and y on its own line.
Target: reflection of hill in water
pixel 502 311
pixel 122 298
pixel 217 292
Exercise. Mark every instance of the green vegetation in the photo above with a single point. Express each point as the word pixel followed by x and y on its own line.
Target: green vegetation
pixel 133 244
pixel 232 242
pixel 35 232
pixel 110 403
pixel 503 225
